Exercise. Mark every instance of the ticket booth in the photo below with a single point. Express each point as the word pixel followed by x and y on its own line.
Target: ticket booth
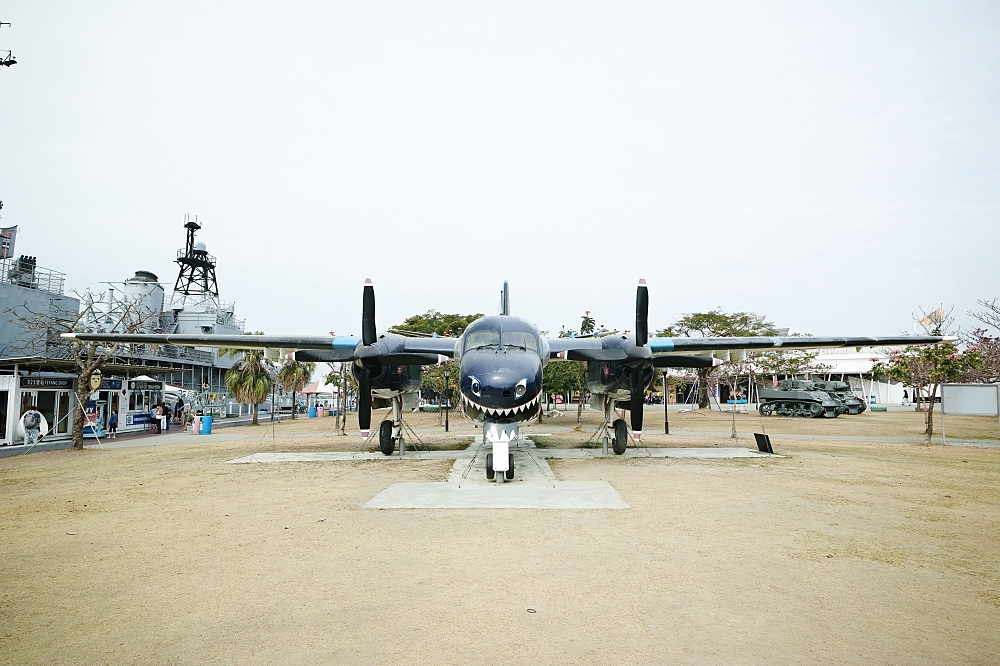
pixel 142 395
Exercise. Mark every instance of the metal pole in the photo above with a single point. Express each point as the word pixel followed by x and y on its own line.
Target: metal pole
pixel 446 405
pixel 666 406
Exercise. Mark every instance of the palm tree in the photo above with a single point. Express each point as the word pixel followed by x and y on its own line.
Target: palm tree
pixel 249 380
pixel 293 376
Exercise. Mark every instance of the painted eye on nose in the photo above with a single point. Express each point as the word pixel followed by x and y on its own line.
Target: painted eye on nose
pixel 521 387
pixel 475 387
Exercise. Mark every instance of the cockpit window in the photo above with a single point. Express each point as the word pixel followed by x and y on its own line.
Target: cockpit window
pixel 480 339
pixel 520 340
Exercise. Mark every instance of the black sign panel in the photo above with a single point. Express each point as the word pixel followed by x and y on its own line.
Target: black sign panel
pixel 46 383
pixel 111 384
pixel 145 386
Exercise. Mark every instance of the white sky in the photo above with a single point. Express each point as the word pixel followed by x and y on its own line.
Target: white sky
pixel 833 167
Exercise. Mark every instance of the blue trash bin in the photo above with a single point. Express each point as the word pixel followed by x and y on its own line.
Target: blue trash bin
pixel 206 425
pixel 312 412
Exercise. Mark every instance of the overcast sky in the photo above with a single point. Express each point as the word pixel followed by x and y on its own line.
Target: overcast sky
pixel 831 166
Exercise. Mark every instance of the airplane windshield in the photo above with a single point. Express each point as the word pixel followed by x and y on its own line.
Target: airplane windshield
pixel 480 339
pixel 520 340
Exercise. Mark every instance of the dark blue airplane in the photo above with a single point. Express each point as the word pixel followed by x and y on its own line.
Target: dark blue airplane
pixel 501 359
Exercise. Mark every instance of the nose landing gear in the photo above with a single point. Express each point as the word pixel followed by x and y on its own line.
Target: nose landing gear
pixel 500 463
pixel 492 473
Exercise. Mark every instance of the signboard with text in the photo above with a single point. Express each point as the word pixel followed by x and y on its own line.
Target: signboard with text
pixel 46 382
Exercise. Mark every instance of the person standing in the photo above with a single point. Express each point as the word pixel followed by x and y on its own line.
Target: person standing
pixel 31 421
pixel 113 425
pixel 167 413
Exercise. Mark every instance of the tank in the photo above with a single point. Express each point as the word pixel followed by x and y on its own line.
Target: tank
pixel 797 397
pixel 841 391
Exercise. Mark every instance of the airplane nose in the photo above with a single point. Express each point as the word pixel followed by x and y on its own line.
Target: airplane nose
pixel 501 381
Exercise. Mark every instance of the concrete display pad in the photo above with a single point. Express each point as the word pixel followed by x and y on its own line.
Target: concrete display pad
pixel 510 495
pixel 328 456
pixel 534 486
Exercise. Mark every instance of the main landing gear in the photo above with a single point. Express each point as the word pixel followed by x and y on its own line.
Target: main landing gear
pixel 617 427
pixel 621 437
pixel 391 432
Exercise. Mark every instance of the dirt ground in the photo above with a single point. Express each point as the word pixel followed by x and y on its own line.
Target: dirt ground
pixel 845 550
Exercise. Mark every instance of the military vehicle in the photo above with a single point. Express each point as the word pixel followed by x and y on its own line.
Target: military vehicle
pixel 797 397
pixel 841 391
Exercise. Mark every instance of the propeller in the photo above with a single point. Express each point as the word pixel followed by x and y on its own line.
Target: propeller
pixel 638 398
pixel 368 357
pixel 641 353
pixel 365 402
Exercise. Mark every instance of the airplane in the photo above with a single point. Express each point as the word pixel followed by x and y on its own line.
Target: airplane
pixel 501 359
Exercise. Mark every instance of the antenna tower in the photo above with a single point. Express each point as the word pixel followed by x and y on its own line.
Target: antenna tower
pixel 196 279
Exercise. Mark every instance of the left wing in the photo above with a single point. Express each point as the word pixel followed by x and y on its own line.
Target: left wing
pixel 391 348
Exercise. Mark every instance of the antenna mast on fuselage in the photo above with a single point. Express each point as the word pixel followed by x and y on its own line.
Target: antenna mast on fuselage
pixel 505 299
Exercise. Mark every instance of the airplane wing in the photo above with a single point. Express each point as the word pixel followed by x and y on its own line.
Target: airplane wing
pixel 598 349
pixel 661 345
pixel 418 351
pixel 229 341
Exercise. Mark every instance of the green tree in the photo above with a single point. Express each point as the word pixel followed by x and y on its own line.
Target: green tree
pixel 716 323
pixel 293 376
pixel 433 377
pixel 340 376
pixel 249 380
pixel 432 321
pixel 789 362
pixel 566 377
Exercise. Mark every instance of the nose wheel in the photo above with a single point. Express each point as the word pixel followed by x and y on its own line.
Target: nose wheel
pixel 491 473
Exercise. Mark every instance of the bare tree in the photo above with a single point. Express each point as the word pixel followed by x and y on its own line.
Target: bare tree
pixel 42 336
pixel 985 342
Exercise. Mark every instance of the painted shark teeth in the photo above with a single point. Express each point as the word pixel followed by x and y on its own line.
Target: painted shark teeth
pixel 501 411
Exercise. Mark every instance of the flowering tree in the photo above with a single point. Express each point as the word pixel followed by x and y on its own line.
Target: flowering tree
pixel 925 368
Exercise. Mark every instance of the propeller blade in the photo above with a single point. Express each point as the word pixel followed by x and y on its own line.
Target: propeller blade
pixel 641 313
pixel 638 399
pixel 368 334
pixel 365 402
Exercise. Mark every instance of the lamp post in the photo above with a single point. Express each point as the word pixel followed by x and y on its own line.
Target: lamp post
pixel 666 405
pixel 446 404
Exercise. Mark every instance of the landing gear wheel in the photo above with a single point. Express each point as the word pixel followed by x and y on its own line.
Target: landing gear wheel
pixel 510 467
pixel 490 474
pixel 621 437
pixel 385 441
